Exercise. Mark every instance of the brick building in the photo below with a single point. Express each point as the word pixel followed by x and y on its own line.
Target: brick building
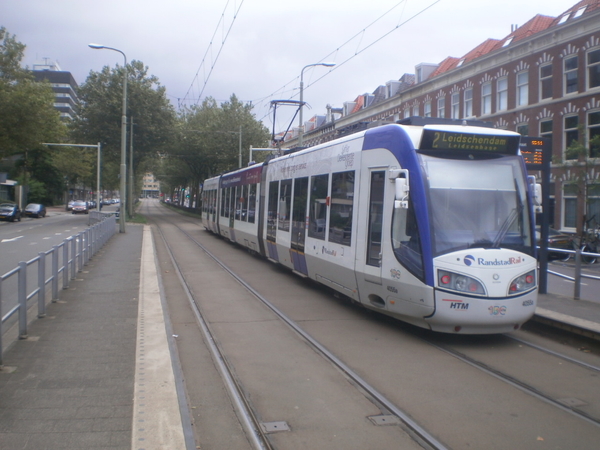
pixel 543 79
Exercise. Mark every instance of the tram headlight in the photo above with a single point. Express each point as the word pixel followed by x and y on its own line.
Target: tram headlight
pixel 522 283
pixel 458 282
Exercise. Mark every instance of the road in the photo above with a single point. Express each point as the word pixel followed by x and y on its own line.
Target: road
pixel 24 240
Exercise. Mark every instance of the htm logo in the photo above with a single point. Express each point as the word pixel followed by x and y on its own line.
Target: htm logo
pixel 469 259
pixel 459 305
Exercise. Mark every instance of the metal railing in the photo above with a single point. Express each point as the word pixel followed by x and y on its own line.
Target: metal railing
pixel 66 259
pixel 578 275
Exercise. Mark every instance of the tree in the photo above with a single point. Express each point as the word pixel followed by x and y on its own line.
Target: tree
pixel 208 142
pixel 580 168
pixel 27 118
pixel 98 117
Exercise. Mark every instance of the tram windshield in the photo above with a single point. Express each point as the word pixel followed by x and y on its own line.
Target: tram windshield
pixel 477 204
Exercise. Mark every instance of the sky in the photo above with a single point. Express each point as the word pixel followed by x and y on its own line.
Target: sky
pixel 257 49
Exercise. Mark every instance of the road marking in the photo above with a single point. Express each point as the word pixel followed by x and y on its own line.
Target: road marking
pixel 156 416
pixel 11 239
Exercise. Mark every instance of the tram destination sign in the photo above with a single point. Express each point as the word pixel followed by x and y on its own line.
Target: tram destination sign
pixel 462 141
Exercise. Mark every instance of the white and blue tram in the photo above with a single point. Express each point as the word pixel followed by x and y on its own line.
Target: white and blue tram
pixel 430 224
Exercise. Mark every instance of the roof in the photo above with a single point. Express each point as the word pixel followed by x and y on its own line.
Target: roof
pixel 533 26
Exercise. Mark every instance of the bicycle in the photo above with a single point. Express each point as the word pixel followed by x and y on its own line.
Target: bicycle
pixel 589 241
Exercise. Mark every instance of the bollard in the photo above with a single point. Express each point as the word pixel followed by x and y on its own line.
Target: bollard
pixel 74 258
pixel 55 273
pixel 42 285
pixel 577 288
pixel 1 330
pixel 22 296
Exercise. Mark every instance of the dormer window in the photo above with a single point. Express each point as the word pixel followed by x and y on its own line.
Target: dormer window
pixel 507 42
pixel 579 12
pixel 563 19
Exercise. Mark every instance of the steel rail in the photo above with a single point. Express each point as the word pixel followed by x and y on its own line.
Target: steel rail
pixel 412 425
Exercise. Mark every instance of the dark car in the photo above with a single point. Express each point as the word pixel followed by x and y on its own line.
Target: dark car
pixel 35 210
pixel 10 211
pixel 556 239
pixel 80 207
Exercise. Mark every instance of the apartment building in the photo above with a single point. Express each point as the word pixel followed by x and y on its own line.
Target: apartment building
pixel 542 79
pixel 63 84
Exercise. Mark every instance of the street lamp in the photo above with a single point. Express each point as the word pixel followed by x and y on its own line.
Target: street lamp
pixel 123 185
pixel 326 64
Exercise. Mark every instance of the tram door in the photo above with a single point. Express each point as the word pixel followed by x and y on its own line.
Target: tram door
pixel 372 268
pixel 299 215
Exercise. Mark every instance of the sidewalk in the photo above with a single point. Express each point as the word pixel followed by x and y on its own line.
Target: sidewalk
pixel 74 383
pixel 579 316
pixel 71 383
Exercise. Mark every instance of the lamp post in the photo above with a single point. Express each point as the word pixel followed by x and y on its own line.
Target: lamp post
pixel 123 172
pixel 325 64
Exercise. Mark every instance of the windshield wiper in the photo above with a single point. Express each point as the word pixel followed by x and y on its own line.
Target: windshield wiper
pixel 506 225
pixel 516 212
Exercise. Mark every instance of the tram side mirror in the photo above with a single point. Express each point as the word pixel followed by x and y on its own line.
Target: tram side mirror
pixel 536 193
pixel 402 188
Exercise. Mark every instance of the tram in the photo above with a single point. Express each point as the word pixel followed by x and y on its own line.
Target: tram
pixel 431 224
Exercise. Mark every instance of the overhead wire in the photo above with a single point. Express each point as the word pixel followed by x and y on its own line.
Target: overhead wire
pixel 356 53
pixel 209 49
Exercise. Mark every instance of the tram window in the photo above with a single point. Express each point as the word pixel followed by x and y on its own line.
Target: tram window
pixel 223 191
pixel 317 214
pixel 342 201
pixel 244 203
pixel 285 199
pixel 237 208
pixel 272 210
pixel 406 240
pixel 251 202
pixel 299 213
pixel 227 202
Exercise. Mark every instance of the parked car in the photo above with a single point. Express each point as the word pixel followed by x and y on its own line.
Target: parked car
pixel 79 206
pixel 10 212
pixel 35 210
pixel 557 239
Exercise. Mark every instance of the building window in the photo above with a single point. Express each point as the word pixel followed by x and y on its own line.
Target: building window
pixel 593 64
pixel 427 109
pixel 502 94
pixel 546 81
pixel 546 128
pixel 570 192
pixel 571 133
pixel 522 88
pixel 593 204
pixel 570 74
pixel 415 110
pixel 441 107
pixel 594 132
pixel 455 103
pixel 469 102
pixel 486 98
pixel 523 129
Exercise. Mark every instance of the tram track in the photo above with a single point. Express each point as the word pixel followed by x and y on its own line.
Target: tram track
pixel 424 437
pixel 524 386
pixel 252 425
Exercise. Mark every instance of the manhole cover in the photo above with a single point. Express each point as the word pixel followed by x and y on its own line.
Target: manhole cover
pixel 384 419
pixel 274 427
